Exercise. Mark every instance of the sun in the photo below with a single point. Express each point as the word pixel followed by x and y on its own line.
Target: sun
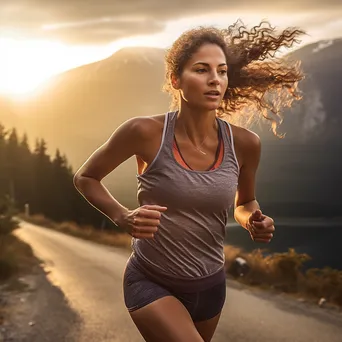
pixel 26 64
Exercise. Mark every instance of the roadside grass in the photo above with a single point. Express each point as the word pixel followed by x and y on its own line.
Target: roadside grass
pixel 16 259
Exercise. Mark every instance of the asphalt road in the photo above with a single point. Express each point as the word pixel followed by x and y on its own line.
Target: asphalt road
pixel 90 277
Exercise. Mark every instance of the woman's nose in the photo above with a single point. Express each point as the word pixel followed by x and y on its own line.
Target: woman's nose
pixel 214 81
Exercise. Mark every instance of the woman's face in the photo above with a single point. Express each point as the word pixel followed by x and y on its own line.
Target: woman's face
pixel 204 79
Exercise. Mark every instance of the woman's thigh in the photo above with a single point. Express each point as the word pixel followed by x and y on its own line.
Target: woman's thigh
pixel 167 320
pixel 207 312
pixel 207 328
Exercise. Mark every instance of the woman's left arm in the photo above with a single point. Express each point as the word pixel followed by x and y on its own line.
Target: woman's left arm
pixel 247 210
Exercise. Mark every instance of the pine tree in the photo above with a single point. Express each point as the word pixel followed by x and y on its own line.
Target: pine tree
pixel 42 179
pixel 59 189
pixel 25 174
pixel 12 157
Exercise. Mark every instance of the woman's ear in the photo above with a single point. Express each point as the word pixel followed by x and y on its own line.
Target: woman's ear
pixel 175 82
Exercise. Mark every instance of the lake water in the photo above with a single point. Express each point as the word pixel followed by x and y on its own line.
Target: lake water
pixel 319 239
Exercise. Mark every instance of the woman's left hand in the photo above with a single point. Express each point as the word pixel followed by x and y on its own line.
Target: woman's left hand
pixel 260 227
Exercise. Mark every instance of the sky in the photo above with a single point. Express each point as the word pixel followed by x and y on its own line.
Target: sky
pixel 40 38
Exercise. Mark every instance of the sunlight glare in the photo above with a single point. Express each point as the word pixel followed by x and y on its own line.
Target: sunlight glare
pixel 28 63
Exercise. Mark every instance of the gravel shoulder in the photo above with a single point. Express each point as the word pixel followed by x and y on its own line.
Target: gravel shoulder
pixel 36 311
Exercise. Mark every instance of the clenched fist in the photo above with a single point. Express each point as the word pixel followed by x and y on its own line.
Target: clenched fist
pixel 260 227
pixel 142 222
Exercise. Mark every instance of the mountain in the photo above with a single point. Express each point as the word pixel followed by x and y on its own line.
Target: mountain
pixel 317 115
pixel 298 175
pixel 301 173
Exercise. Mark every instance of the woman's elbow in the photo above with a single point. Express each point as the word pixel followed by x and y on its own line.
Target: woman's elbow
pixel 76 180
pixel 82 181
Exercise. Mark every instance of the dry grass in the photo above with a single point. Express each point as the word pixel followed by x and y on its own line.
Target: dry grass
pixel 278 271
pixel 15 256
pixel 89 233
pixel 39 220
pixel 326 283
pixel 283 272
pixel 86 231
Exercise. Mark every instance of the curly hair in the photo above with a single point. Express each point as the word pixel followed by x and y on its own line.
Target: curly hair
pixel 260 84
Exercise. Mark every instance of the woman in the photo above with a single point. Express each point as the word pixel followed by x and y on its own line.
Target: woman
pixel 192 166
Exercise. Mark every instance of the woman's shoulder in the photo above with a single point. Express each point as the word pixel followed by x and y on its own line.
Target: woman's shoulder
pixel 146 126
pixel 247 143
pixel 244 136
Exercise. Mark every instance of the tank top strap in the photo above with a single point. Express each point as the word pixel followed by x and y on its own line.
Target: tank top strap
pixel 224 133
pixel 169 130
pixel 228 140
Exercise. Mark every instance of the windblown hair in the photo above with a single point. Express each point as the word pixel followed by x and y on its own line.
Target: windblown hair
pixel 259 83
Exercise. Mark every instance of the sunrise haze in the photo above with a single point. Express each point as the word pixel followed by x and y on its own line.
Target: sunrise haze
pixel 40 40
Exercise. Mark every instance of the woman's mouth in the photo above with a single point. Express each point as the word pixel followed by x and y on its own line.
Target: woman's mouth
pixel 213 94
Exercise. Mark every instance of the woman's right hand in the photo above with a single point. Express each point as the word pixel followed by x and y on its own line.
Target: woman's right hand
pixel 143 222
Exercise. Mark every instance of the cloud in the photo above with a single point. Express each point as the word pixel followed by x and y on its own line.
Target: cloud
pixel 103 21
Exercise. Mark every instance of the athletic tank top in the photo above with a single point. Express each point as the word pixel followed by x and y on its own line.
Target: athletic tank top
pixel 190 238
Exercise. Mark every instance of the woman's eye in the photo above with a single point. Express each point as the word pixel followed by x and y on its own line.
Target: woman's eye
pixel 200 71
pixel 223 72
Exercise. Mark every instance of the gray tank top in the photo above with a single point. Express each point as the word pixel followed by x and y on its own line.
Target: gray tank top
pixel 190 239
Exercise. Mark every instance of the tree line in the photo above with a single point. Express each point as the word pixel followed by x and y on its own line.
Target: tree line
pixel 42 183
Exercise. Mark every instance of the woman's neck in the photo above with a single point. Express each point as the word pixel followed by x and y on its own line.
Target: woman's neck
pixel 197 125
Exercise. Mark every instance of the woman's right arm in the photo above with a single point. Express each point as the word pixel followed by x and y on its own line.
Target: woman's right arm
pixel 129 139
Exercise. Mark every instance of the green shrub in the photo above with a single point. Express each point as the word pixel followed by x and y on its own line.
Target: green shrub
pixel 7 211
pixel 8 266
